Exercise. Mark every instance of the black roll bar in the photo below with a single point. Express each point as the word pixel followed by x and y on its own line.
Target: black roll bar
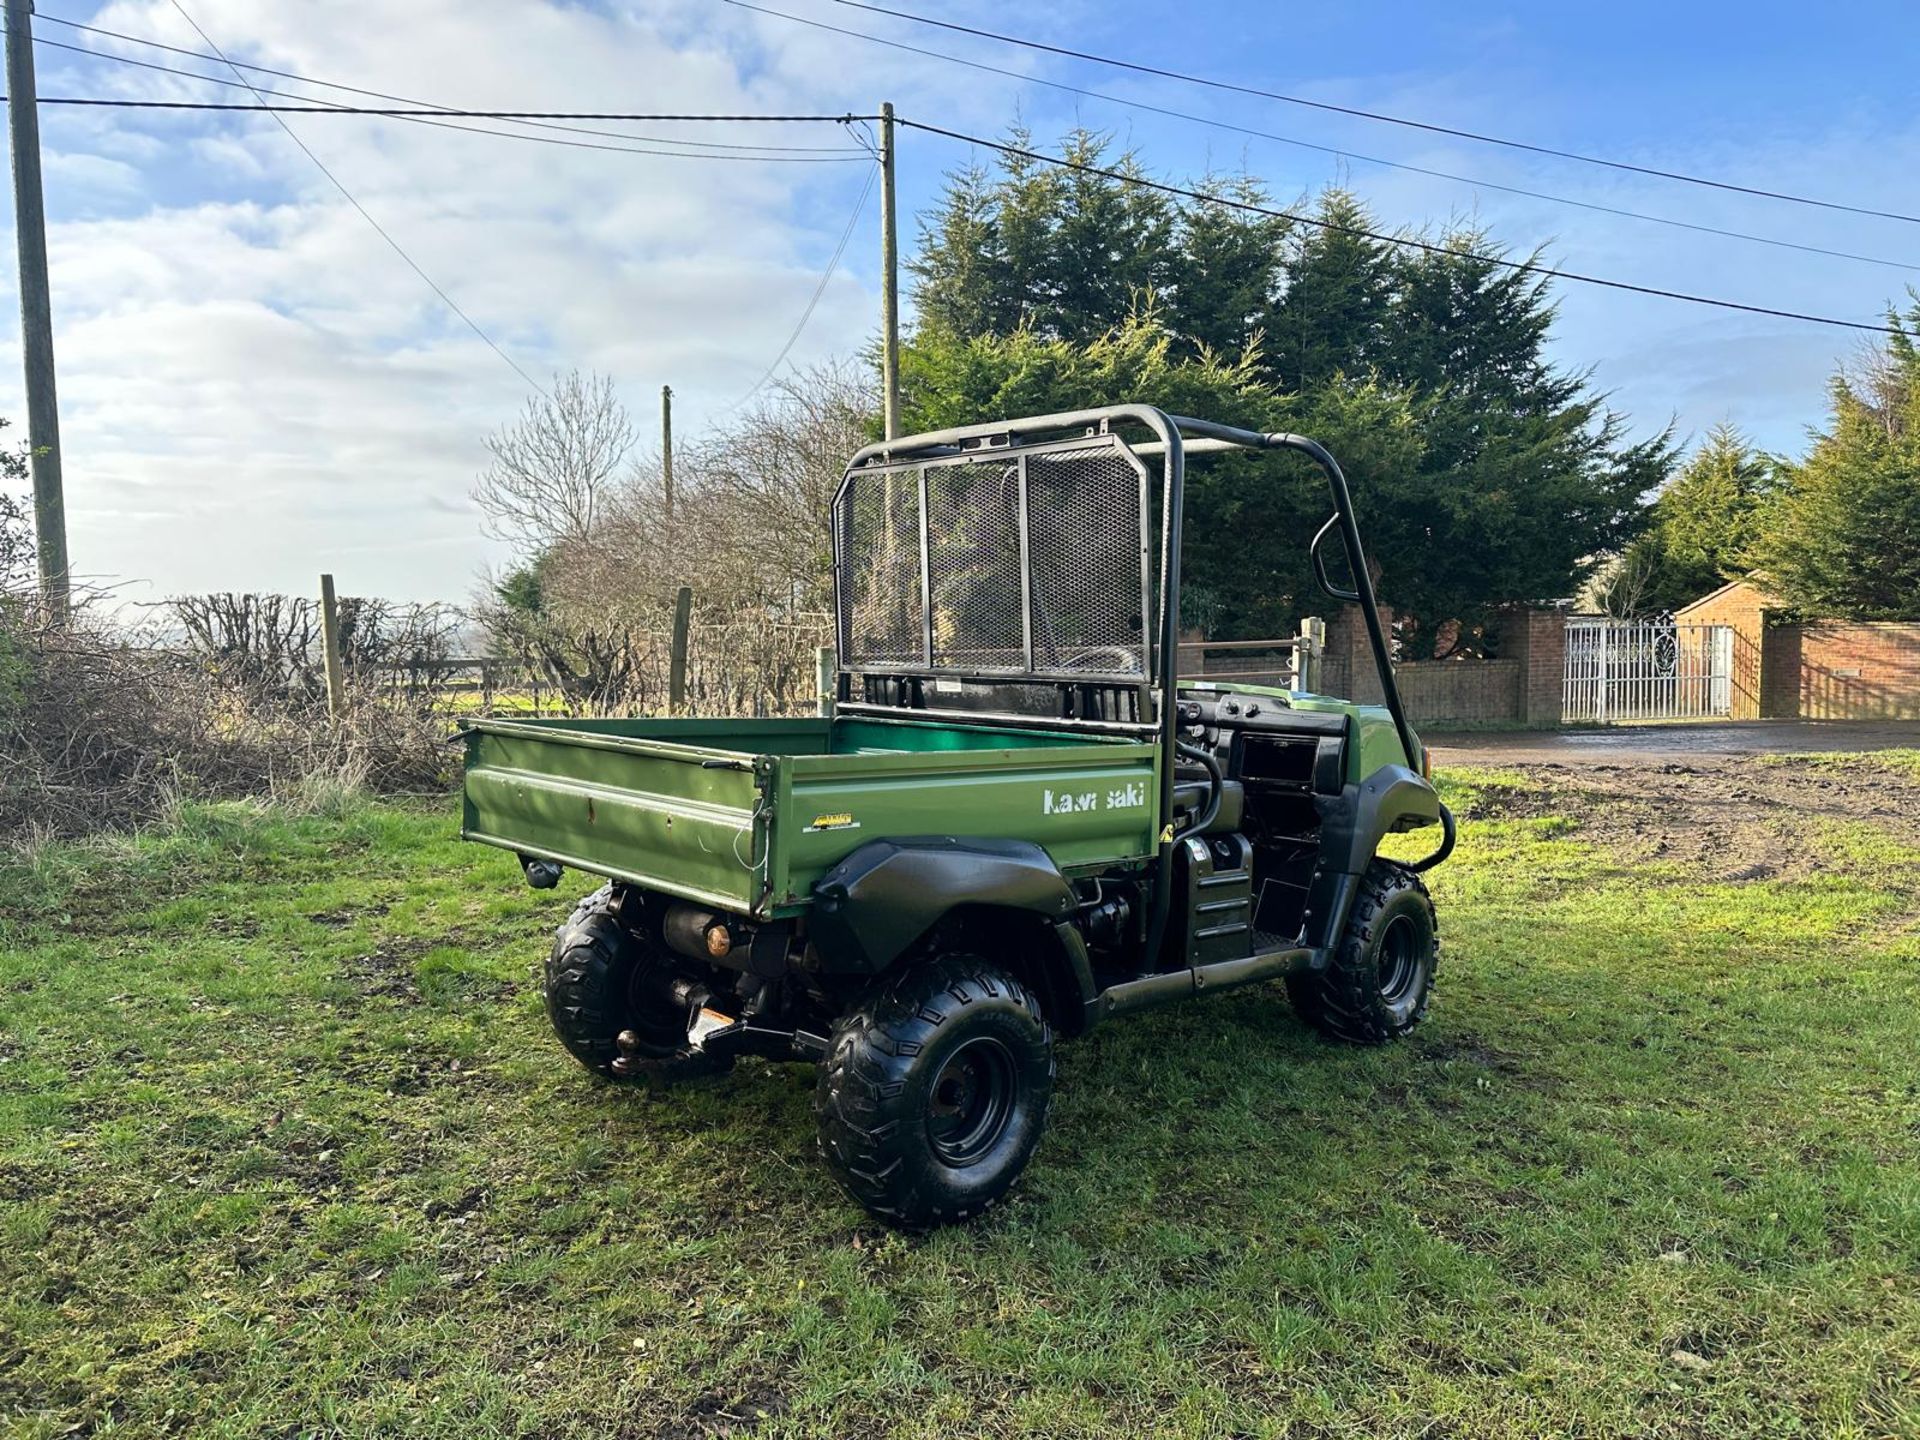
pixel 1172 434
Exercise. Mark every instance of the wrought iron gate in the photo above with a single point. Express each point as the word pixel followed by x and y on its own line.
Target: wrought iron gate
pixel 1632 670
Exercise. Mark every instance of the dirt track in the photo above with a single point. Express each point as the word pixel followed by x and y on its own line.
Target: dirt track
pixel 1637 744
pixel 1736 818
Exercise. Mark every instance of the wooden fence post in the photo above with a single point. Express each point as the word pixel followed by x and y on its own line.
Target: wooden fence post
pixel 677 656
pixel 330 647
pixel 1306 654
pixel 823 680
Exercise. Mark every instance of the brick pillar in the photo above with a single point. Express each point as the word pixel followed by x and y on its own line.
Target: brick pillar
pixel 1350 671
pixel 1780 672
pixel 1537 638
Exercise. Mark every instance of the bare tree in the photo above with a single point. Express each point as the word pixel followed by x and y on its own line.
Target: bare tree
pixel 552 467
pixel 749 533
pixel 776 466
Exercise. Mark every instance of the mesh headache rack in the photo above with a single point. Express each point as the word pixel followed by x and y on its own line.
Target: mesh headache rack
pixel 1030 569
pixel 1017 577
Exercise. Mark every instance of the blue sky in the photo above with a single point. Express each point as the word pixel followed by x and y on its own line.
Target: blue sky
pixel 254 388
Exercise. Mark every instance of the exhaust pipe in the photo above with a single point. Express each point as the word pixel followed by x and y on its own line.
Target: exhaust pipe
pixel 697 933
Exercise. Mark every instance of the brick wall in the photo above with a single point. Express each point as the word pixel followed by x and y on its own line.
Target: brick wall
pixel 1348 663
pixel 1522 687
pixel 1461 692
pixel 1537 641
pixel 1779 673
pixel 1837 670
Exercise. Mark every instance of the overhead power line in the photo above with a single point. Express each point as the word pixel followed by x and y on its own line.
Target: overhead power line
pixel 366 215
pixel 1525 267
pixel 1400 241
pixel 1386 119
pixel 530 117
pixel 1238 129
pixel 440 117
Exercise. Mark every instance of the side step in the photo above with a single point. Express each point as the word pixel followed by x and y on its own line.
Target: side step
pixel 1152 990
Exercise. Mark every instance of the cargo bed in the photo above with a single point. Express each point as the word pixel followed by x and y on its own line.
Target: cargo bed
pixel 747 814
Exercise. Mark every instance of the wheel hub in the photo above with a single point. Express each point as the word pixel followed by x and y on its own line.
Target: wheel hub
pixel 1399 959
pixel 971 1101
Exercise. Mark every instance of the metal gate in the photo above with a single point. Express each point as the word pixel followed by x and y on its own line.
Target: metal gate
pixel 1631 670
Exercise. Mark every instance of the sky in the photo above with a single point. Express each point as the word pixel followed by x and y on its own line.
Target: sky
pixel 255 388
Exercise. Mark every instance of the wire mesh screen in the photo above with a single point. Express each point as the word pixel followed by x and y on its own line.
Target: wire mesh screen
pixel 973 566
pixel 1084 522
pixel 880 605
pixel 1025 563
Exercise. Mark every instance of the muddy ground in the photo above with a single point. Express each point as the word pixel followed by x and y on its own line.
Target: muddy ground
pixel 1733 818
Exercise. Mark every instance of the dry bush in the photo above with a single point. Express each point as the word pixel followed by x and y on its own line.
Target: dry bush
pixel 271 644
pixel 107 725
pixel 101 730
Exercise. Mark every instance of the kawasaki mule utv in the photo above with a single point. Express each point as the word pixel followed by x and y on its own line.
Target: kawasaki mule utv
pixel 1016 822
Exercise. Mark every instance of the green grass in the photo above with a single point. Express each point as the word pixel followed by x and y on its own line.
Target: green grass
pixel 286 1149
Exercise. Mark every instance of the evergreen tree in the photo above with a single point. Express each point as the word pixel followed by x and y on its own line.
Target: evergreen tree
pixel 961 265
pixel 1467 324
pixel 1701 529
pixel 1487 474
pixel 1226 269
pixel 1843 538
pixel 1333 318
pixel 1110 242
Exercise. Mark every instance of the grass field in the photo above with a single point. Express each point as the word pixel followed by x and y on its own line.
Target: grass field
pixel 286 1149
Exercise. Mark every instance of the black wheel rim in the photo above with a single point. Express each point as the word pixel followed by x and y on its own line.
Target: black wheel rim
pixel 1400 959
pixel 971 1101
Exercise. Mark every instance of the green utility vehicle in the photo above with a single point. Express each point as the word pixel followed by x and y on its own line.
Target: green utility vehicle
pixel 1016 822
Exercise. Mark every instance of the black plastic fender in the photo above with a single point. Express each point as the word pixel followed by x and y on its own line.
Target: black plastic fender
pixel 884 896
pixel 1392 798
pixel 1352 825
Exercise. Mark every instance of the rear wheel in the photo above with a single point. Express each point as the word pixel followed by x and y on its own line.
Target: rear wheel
pixel 604 981
pixel 1380 980
pixel 934 1091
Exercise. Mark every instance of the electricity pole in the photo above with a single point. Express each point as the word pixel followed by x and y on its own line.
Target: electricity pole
pixel 36 310
pixel 889 281
pixel 666 448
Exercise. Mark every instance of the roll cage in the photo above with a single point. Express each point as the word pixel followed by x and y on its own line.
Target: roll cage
pixel 955 557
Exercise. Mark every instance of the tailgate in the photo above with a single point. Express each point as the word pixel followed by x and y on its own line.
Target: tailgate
pixel 675 817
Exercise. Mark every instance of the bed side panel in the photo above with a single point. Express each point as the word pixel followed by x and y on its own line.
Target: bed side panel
pixel 669 821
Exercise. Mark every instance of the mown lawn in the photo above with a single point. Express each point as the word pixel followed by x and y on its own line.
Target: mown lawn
pixel 285 1149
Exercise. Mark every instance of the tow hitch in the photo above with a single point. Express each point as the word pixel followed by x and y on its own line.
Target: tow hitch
pixel 713 1032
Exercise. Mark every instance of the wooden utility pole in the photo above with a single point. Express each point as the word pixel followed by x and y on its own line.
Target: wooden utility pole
pixel 666 447
pixel 36 309
pixel 889 281
pixel 330 650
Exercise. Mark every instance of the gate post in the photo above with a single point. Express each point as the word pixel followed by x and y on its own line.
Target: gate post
pixel 1600 691
pixel 1537 638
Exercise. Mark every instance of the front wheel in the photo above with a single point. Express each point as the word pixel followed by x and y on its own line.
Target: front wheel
pixel 934 1091
pixel 1380 980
